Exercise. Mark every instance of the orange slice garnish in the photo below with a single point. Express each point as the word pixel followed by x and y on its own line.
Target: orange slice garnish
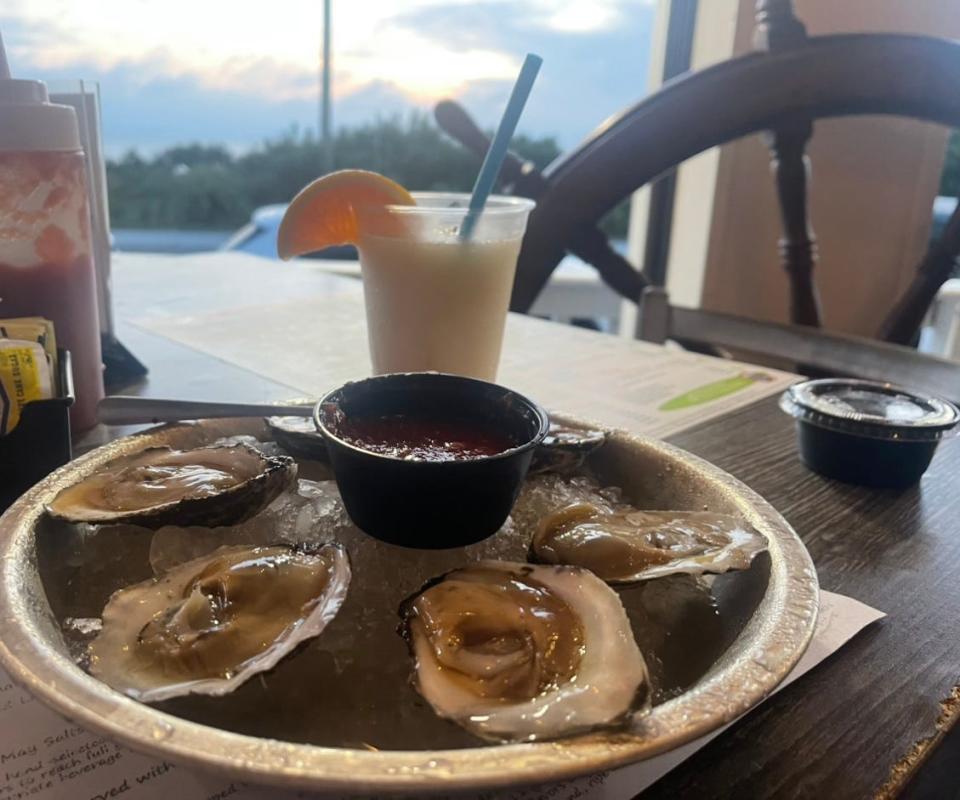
pixel 324 213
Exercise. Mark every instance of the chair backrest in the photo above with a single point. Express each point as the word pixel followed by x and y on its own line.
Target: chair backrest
pixel 781 89
pixel 813 349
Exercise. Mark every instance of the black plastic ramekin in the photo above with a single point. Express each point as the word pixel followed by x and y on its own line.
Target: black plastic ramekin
pixel 430 504
pixel 873 434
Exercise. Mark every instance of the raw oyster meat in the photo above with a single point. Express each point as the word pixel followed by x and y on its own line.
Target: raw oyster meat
pixel 543 494
pixel 160 486
pixel 519 652
pixel 625 545
pixel 564 449
pixel 210 624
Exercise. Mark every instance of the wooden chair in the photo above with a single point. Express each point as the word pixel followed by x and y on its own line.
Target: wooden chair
pixel 807 349
pixel 791 80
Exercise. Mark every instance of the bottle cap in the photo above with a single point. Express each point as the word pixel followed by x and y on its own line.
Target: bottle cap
pixel 30 121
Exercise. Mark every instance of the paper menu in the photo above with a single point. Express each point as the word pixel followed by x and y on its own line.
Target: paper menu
pixel 44 757
pixel 645 388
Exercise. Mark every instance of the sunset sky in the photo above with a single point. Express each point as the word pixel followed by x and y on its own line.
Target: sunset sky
pixel 216 71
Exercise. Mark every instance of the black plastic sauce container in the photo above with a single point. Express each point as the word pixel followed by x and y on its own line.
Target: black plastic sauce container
pixel 873 434
pixel 430 504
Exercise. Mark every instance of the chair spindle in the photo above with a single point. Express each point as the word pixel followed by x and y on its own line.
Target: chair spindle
pixel 778 28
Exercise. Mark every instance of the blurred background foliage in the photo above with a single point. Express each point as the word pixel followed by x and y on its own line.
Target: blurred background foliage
pixel 950 183
pixel 207 187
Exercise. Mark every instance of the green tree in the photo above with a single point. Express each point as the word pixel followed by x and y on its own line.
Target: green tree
pixel 206 186
pixel 950 182
pixel 195 155
pixel 540 151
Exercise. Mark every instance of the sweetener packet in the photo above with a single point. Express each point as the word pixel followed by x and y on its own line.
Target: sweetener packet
pixel 33 329
pixel 24 376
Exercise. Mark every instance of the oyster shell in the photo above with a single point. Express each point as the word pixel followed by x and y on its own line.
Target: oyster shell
pixel 626 545
pixel 564 449
pixel 212 623
pixel 299 436
pixel 268 448
pixel 518 652
pixel 160 486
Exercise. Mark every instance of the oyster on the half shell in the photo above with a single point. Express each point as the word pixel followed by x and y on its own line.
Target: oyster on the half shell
pixel 210 624
pixel 160 486
pixel 626 545
pixel 564 449
pixel 299 436
pixel 519 652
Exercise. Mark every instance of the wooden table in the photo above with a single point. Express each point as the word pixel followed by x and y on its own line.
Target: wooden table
pixel 875 719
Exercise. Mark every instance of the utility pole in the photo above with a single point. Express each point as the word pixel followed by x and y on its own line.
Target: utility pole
pixel 326 138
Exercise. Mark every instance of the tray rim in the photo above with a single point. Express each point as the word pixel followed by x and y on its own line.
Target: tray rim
pixel 768 648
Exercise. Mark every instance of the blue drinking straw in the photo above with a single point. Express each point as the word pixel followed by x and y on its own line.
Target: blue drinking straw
pixel 501 140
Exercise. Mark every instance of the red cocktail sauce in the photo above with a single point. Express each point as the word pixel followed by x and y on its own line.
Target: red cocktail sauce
pixel 416 439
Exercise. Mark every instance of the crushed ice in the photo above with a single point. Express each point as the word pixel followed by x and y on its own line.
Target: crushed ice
pixel 312 515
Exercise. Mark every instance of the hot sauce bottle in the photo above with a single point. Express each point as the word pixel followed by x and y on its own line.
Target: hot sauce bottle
pixel 46 267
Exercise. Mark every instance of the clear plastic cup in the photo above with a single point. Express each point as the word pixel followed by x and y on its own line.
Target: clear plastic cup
pixel 434 302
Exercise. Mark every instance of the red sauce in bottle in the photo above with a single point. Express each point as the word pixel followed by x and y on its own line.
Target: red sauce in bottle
pixel 46 269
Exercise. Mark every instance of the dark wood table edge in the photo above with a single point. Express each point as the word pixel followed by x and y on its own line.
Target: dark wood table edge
pixel 906 769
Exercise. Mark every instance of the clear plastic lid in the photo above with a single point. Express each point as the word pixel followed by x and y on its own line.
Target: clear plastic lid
pixel 871 409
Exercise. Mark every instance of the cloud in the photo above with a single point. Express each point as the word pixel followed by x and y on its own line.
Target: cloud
pixel 164 92
pixel 375 99
pixel 586 76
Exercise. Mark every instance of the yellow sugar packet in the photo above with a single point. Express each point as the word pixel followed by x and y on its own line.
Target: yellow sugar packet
pixel 24 376
pixel 33 329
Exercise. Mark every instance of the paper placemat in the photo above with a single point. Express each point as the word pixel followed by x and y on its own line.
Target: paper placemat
pixel 44 757
pixel 316 343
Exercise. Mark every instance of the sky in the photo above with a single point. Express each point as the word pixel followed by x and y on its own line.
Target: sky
pixel 178 71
